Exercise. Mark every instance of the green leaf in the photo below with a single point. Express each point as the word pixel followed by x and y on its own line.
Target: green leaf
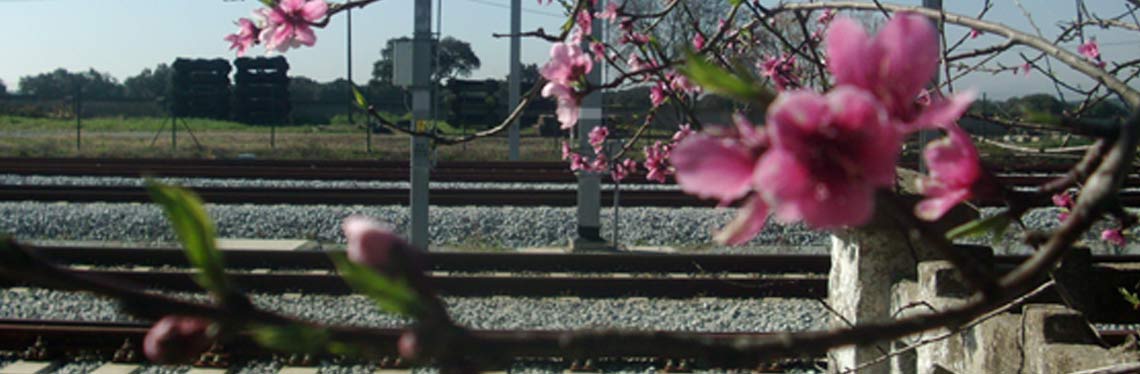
pixel 269 3
pixel 740 86
pixel 735 2
pixel 188 217
pixel 995 224
pixel 292 338
pixel 1132 298
pixel 360 101
pixel 392 295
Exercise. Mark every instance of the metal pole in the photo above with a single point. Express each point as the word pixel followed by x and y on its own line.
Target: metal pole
pixel 589 184
pixel 513 81
pixel 925 135
pixel 348 47
pixel 421 111
pixel 78 116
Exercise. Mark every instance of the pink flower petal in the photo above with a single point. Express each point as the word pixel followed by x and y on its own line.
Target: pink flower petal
pixel 953 160
pixel 314 10
pixel 712 167
pixel 850 54
pixel 942 113
pixel 910 59
pixel 932 208
pixel 749 222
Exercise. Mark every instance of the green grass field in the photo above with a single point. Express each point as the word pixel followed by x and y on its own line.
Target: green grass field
pixel 150 137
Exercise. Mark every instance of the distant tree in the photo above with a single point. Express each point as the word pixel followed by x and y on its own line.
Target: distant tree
pixel 62 83
pixel 304 89
pixel 456 59
pixel 1037 103
pixel 149 83
pixel 3 88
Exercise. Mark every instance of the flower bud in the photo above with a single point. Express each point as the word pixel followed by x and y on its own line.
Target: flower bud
pixel 177 339
pixel 373 244
pixel 409 346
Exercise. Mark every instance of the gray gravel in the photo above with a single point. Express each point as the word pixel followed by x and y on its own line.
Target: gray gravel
pixel 489 228
pixel 702 314
pixel 479 227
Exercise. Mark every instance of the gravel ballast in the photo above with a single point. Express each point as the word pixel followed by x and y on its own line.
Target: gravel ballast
pixel 492 313
pixel 492 228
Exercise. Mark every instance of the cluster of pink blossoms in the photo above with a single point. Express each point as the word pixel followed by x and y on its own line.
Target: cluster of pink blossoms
pixel 821 157
pixel 1065 201
pixel 287 25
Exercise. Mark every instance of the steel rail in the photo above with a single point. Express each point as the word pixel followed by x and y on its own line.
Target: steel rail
pixel 367 196
pixel 454 171
pixel 106 340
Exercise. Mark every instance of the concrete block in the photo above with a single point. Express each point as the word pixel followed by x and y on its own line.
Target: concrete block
pixel 29 367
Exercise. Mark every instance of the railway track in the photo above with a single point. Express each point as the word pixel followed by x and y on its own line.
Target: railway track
pixel 543 274
pixel 450 171
pixel 473 274
pixel 108 341
pixel 476 274
pixel 370 196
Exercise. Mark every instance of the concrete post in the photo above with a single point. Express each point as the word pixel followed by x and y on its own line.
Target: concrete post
pixel 513 81
pixel 421 113
pixel 588 236
pixel 867 265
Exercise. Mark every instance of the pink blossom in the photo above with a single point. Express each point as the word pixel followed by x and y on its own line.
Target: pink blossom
pixel 1026 68
pixel 597 138
pixel 567 65
pixel 599 51
pixel 719 166
pixel 722 166
pixel 682 132
pixel 974 33
pixel 585 23
pixel 826 17
pixel 655 162
pixel 576 162
pixel 635 38
pixel 924 98
pixel 680 83
pixel 610 13
pixel 781 70
pixel 748 223
pixel 245 37
pixel 599 164
pixel 895 66
pixel 177 339
pixel 1114 236
pixel 657 94
pixel 288 24
pixel 1063 200
pixel 954 170
pixel 568 103
pixel 566 150
pixel 698 41
pixel 622 169
pixel 1091 50
pixel 829 154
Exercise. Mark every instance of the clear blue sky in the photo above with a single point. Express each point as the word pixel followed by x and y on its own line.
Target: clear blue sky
pixel 124 36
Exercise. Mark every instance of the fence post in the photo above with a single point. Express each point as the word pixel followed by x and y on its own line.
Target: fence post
pixel 78 108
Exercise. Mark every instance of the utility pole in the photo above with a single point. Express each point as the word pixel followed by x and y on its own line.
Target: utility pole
pixel 925 135
pixel 348 47
pixel 589 236
pixel 421 111
pixel 513 81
